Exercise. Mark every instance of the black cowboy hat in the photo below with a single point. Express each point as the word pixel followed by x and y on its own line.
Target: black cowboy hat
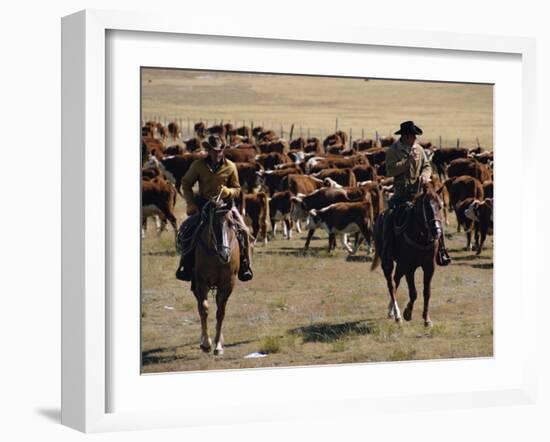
pixel 408 127
pixel 214 142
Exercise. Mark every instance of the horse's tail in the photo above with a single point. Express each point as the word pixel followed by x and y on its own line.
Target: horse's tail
pixel 378 227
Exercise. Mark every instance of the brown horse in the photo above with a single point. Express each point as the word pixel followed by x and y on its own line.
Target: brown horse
pixel 416 244
pixel 216 266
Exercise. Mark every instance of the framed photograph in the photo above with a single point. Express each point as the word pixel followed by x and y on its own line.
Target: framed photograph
pixel 312 327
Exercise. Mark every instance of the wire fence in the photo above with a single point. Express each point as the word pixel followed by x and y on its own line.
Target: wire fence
pixel 291 130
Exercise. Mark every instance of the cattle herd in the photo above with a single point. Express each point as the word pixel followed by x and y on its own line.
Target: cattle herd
pixel 336 184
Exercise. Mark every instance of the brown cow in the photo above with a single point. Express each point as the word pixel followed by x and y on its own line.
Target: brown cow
pixel 376 155
pixel 218 129
pixel 474 214
pixel 362 144
pixel 240 155
pixel 248 176
pixel 200 130
pixel 386 141
pixel 487 189
pixel 463 187
pixel 313 146
pixel 344 177
pixel 265 135
pixel 269 161
pixel 272 179
pixel 158 197
pixel 468 166
pixel 483 157
pixel 301 205
pixel 482 213
pixel 364 173
pixel 193 144
pixel 441 158
pixel 279 210
pixel 255 210
pixel 175 167
pixel 280 146
pixel 152 146
pixel 298 143
pixel 175 149
pixel 174 130
pixel 301 184
pixel 344 218
pixel 244 131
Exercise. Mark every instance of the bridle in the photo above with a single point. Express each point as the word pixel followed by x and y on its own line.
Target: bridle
pixel 220 249
pixel 425 227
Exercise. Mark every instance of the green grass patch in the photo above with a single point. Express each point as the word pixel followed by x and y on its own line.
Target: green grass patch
pixel 270 344
pixel 402 354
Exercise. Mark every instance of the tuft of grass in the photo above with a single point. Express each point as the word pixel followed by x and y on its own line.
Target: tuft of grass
pixel 339 345
pixel 270 344
pixel 188 306
pixel 279 304
pixel 437 330
pixel 402 354
pixel 385 331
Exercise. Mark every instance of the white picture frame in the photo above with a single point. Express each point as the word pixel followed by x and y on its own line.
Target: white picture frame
pixel 86 317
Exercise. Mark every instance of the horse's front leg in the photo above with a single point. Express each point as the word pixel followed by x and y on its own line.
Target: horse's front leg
pixel 428 274
pixel 201 293
pixel 392 283
pixel 407 313
pixel 222 296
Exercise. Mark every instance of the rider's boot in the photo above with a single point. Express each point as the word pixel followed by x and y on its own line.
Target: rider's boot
pixel 185 268
pixel 442 257
pixel 245 272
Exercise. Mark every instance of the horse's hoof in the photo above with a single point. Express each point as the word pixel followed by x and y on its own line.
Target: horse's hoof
pixel 218 352
pixel 407 314
pixel 428 324
pixel 398 320
pixel 391 315
pixel 206 348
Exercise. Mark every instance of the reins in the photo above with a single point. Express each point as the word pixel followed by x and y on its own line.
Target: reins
pixel 402 229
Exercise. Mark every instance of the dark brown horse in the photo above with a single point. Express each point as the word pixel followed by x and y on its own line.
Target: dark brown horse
pixel 415 245
pixel 216 267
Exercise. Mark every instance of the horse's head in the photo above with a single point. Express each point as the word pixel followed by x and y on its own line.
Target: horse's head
pixel 428 206
pixel 219 227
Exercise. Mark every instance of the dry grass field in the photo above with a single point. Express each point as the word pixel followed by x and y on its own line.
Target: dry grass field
pixel 304 309
pixel 441 109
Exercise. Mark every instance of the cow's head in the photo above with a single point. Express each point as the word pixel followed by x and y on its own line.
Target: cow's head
pixel 313 220
pixel 329 182
pixel 298 210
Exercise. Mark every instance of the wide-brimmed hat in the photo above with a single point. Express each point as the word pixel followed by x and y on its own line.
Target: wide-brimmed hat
pixel 408 127
pixel 214 142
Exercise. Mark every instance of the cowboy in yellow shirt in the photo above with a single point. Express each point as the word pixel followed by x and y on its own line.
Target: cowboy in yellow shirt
pixel 216 175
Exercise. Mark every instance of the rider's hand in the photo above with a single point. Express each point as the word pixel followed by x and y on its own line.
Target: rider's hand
pixel 225 192
pixel 424 179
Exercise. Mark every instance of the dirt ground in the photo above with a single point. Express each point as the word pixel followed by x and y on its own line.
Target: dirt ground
pixel 304 309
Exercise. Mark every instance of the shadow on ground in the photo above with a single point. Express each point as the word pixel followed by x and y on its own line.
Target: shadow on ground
pixel 324 332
